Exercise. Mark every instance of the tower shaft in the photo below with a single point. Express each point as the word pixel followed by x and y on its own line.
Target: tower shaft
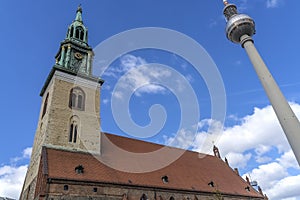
pixel 239 29
pixel 287 118
pixel 70 112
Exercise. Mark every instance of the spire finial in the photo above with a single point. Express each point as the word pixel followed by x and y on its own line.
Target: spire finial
pixel 216 151
pixel 225 2
pixel 79 9
pixel 78 14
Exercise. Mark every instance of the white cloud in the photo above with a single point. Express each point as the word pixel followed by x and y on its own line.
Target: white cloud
pixel 118 94
pixel 127 62
pixel 12 176
pixel 213 23
pixel 151 89
pixel 288 160
pixel 135 76
pixel 25 155
pixel 238 160
pixel 11 180
pixel 262 159
pixel 143 80
pixel 105 101
pixel 268 175
pixel 273 3
pixel 259 139
pixel 286 187
pixel 27 152
pixel 183 139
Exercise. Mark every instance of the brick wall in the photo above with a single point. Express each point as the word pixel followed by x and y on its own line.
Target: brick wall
pixel 81 191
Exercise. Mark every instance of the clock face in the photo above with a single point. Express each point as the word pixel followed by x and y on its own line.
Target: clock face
pixel 78 55
pixel 76 62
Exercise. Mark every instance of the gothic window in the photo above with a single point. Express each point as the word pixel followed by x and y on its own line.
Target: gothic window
pixel 73 100
pixel 86 36
pixel 71 32
pixel 80 101
pixel 144 197
pixel 77 99
pixel 79 33
pixel 45 105
pixel 73 132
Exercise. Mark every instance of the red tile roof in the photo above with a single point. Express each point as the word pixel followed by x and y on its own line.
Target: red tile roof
pixel 188 172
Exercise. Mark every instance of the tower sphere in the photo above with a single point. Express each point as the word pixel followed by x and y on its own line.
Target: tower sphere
pixel 239 25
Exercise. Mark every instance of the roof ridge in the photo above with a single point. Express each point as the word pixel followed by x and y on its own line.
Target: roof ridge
pixel 152 143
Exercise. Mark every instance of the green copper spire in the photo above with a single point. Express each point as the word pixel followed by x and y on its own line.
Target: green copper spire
pixel 77 31
pixel 78 14
pixel 75 54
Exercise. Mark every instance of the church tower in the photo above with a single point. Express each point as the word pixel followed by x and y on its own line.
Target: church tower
pixel 70 111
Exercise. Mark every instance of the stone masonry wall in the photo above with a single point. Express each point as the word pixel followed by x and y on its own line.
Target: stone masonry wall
pixel 53 127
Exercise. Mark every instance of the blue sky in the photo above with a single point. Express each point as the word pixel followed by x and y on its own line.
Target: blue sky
pixel 252 140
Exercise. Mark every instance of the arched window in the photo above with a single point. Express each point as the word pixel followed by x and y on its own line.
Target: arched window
pixel 144 197
pixel 66 187
pixel 79 33
pixel 80 98
pixel 86 36
pixel 71 31
pixel 172 198
pixel 73 100
pixel 73 132
pixel 45 105
pixel 77 99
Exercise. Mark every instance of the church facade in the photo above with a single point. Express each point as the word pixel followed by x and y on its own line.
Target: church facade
pixel 70 154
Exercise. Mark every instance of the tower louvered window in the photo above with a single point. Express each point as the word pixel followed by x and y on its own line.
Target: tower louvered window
pixel 79 33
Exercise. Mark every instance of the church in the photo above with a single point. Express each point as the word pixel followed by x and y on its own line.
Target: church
pixel 73 159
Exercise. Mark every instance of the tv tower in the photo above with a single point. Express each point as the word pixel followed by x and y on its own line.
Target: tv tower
pixel 239 29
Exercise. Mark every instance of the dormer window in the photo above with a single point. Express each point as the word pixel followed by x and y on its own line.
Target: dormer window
pixel 79 169
pixel 165 179
pixel 247 188
pixel 77 99
pixel 211 184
